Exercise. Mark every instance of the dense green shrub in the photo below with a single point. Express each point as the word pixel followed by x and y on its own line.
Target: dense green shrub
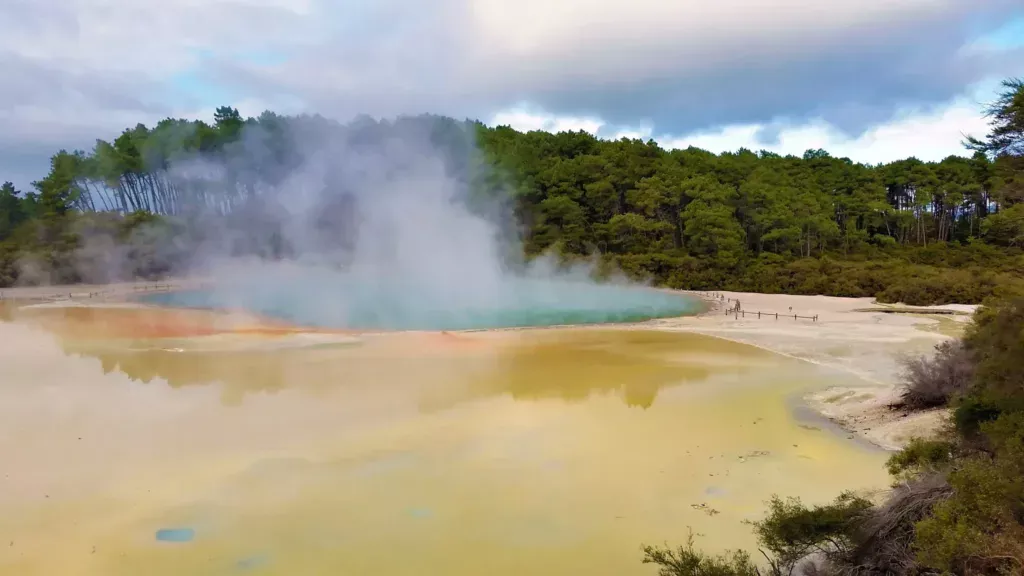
pixel 921 455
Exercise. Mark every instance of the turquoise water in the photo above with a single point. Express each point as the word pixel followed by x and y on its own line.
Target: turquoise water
pixel 175 534
pixel 516 303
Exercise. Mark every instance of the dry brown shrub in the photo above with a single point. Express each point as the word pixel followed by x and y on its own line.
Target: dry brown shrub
pixel 887 533
pixel 934 381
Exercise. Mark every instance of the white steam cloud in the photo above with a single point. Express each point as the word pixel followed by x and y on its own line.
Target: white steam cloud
pixel 377 226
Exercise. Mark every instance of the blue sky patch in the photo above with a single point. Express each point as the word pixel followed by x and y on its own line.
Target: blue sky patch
pixel 207 93
pixel 1008 36
pixel 194 84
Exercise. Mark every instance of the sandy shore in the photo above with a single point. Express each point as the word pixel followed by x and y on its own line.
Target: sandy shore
pixel 854 335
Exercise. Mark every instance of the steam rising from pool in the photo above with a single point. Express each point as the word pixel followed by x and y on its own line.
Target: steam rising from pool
pixel 389 226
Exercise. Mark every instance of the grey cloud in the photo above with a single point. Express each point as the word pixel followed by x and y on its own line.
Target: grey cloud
pixel 56 83
pixel 149 38
pixel 23 162
pixel 97 67
pixel 400 58
pixel 77 70
pixel 769 134
pixel 858 80
pixel 851 90
pixel 45 106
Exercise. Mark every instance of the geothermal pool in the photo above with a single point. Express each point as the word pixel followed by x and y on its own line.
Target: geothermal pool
pixel 152 442
pixel 521 302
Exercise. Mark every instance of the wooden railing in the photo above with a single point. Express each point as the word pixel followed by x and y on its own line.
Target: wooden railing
pixel 759 314
pixel 154 288
pixel 738 312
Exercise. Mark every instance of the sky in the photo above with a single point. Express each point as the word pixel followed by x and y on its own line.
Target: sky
pixel 873 80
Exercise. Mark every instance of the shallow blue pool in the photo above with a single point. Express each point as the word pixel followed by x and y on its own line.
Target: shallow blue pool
pixel 514 303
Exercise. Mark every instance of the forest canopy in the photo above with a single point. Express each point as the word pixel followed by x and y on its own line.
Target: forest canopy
pixel 911 231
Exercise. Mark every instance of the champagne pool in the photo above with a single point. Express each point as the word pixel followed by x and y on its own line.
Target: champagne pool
pixel 178 441
pixel 519 302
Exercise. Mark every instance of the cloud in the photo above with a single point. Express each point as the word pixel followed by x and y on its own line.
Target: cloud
pixel 76 70
pixel 79 69
pixel 930 135
pixel 792 60
pixel 680 66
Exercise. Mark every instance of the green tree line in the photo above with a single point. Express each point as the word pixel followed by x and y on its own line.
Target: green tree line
pixel 912 231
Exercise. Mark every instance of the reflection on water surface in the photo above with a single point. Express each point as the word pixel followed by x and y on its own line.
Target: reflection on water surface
pixel 542 452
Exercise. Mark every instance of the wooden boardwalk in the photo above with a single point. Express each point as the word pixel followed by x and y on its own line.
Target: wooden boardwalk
pixel 734 308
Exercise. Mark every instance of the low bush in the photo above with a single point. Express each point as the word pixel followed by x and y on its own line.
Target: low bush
pixel 688 561
pixel 921 455
pixel 935 381
pixel 792 538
